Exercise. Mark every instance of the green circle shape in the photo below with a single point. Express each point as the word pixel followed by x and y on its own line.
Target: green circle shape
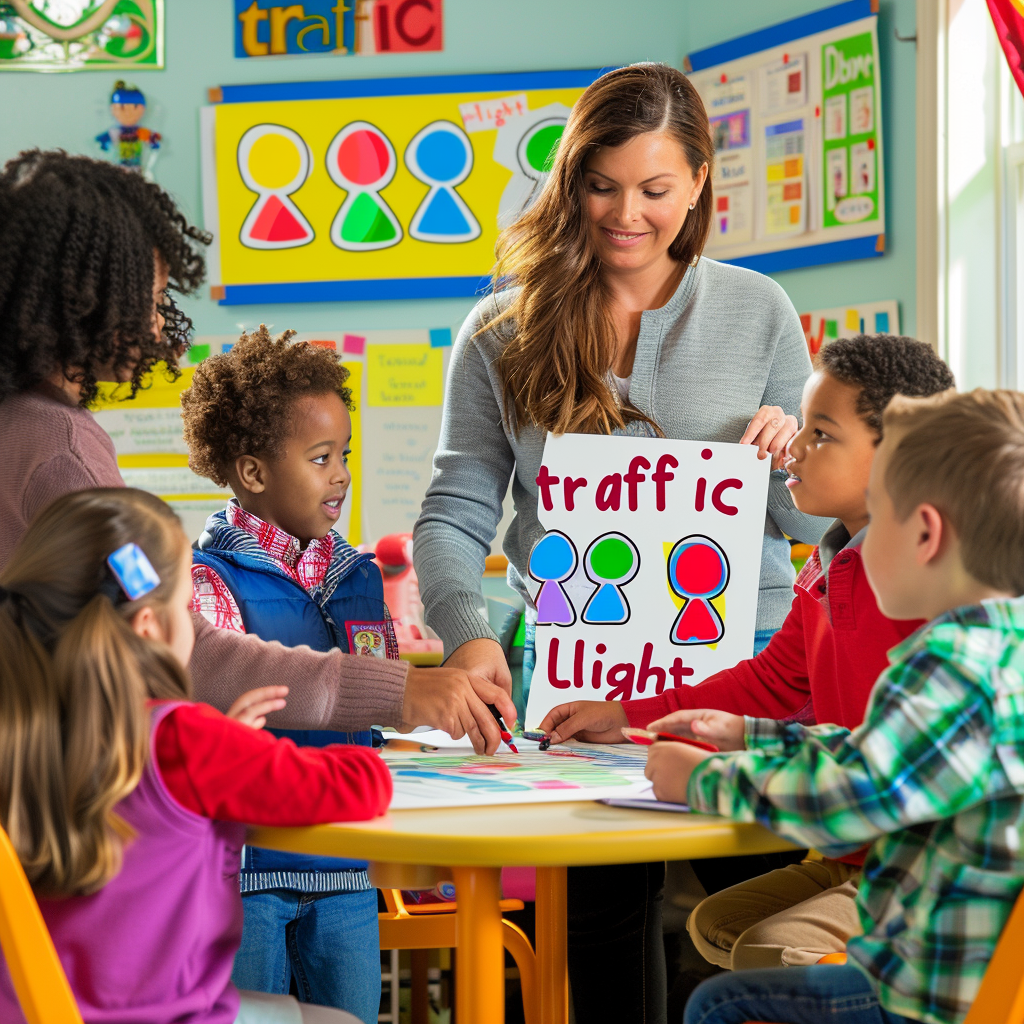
pixel 611 559
pixel 540 150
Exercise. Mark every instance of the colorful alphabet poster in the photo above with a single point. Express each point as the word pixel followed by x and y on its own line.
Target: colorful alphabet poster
pixel 647 575
pixel 272 28
pixel 394 188
pixel 795 112
pixel 72 35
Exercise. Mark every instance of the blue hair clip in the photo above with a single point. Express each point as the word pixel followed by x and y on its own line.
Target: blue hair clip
pixel 133 571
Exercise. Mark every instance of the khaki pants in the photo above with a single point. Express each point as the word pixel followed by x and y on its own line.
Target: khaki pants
pixel 790 917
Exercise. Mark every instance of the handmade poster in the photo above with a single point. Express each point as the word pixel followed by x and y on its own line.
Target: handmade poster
pixel 375 189
pixel 647 575
pixel 456 777
pixel 824 325
pixel 273 28
pixel 77 34
pixel 808 188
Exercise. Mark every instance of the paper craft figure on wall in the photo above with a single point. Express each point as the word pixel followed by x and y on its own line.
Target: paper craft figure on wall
pixel 698 571
pixel 128 140
pixel 441 156
pixel 529 153
pixel 274 162
pixel 611 562
pixel 361 160
pixel 552 561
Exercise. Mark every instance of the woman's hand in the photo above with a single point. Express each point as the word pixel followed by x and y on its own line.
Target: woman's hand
pixel 483 658
pixel 669 767
pixel 593 721
pixel 253 706
pixel 725 731
pixel 771 430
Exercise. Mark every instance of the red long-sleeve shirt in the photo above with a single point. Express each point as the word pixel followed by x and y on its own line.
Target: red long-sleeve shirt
pixel 221 769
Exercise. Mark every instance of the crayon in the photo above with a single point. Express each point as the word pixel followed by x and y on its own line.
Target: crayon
pixel 646 738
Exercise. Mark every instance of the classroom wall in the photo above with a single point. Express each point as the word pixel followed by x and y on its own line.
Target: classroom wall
pixel 68 110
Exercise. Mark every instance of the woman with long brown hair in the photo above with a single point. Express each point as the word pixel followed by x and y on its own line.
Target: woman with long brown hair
pixel 606 318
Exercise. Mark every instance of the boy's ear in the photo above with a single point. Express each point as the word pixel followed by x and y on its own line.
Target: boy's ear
pixel 249 471
pixel 145 623
pixel 931 533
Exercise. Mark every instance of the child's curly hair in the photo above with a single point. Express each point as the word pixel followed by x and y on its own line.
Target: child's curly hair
pixel 240 402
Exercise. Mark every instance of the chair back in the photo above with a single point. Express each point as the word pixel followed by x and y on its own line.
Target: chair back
pixel 39 980
pixel 1000 998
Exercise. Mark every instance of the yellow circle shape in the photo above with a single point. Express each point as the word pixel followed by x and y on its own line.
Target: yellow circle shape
pixel 274 161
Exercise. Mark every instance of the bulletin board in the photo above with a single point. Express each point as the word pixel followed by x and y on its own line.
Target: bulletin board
pixel 373 189
pixel 795 113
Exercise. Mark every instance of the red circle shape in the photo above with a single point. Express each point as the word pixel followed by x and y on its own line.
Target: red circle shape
pixel 363 157
pixel 699 570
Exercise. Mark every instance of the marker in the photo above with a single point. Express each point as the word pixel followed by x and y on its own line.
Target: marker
pixel 505 734
pixel 420 748
pixel 646 738
pixel 539 737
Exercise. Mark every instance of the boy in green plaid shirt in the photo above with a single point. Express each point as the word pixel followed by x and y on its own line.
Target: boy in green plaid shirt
pixel 934 778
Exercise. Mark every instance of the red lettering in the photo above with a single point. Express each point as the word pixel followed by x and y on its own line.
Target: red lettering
pixel 661 476
pixel 577 664
pixel 646 671
pixel 545 481
pixel 634 478
pixel 571 485
pixel 677 671
pixel 405 35
pixel 621 678
pixel 595 674
pixel 559 684
pixel 716 495
pixel 698 502
pixel 609 493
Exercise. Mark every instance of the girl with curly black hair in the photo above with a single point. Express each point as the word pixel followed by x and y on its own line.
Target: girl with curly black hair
pixel 90 256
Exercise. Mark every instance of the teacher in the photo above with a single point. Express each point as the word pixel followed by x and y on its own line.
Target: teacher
pixel 606 319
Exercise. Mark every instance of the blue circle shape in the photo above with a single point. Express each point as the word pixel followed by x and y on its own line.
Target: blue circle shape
pixel 552 558
pixel 441 155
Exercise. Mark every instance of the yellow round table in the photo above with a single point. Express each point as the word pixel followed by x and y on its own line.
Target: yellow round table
pixel 472 844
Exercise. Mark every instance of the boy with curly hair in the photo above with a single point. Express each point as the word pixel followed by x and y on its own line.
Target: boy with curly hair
pixel 271 420
pixel 819 667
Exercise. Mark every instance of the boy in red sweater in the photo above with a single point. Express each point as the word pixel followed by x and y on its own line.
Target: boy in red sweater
pixel 821 664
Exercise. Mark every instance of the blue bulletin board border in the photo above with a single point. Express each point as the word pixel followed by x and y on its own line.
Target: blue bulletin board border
pixel 862 248
pixel 373 290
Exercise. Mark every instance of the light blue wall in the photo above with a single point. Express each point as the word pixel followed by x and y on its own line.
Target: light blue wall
pixel 481 35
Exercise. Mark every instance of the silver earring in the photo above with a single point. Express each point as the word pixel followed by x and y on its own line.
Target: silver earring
pixel 692 205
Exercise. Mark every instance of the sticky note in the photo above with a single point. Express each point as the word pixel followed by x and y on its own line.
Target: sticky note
pixel 353 344
pixel 440 337
pixel 881 323
pixel 403 375
pixel 832 328
pixel 197 353
pixel 322 343
pixel 805 321
pixel 852 320
pixel 228 346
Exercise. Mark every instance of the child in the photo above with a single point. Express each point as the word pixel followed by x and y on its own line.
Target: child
pixel 271 420
pixel 824 660
pixel 934 777
pixel 124 800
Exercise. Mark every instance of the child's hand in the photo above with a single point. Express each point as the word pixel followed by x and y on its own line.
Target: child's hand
pixel 771 430
pixel 725 731
pixel 253 706
pixel 669 767
pixel 593 721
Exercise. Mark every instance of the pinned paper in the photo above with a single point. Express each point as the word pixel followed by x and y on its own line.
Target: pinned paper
pixel 831 329
pixel 852 320
pixel 404 375
pixel 197 353
pixel 881 323
pixel 353 345
pixel 440 337
pixel 486 114
pixel 321 343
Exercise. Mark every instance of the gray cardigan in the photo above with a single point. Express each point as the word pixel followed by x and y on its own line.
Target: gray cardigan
pixel 726 343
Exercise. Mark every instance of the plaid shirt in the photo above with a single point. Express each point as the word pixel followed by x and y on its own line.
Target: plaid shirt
pixel 211 597
pixel 934 778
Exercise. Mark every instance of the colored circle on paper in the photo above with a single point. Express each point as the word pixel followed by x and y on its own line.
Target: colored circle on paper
pixel 542 146
pixel 698 569
pixel 363 157
pixel 552 558
pixel 441 155
pixel 611 558
pixel 274 161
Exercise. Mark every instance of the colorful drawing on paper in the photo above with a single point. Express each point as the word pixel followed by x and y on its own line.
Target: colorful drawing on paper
pixel 821 326
pixel 670 533
pixel 564 773
pixel 78 34
pixel 375 189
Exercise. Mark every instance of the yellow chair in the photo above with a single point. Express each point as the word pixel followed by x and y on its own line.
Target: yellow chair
pixel 434 928
pixel 39 980
pixel 1000 998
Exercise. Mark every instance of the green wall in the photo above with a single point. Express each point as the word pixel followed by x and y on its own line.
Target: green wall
pixel 68 110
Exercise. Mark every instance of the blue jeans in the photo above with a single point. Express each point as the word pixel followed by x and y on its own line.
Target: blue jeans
pixel 328 943
pixel 823 994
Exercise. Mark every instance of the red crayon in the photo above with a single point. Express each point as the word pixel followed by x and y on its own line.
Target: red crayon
pixel 646 738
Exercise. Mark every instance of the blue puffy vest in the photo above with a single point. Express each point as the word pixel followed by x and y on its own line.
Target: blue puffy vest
pixel 275 607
